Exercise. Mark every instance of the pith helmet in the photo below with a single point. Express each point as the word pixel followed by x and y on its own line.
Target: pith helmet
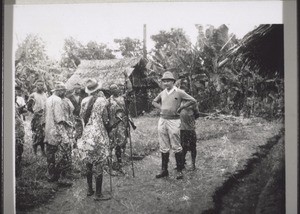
pixel 168 76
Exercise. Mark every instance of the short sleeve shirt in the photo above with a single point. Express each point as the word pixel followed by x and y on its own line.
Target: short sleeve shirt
pixel 39 101
pixel 54 114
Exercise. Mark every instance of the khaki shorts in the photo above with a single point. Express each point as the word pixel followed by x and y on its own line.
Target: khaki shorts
pixel 169 135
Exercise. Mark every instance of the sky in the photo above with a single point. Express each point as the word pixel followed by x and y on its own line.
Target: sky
pixel 104 22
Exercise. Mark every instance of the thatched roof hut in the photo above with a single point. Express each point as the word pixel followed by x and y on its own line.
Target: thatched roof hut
pixel 112 71
pixel 261 49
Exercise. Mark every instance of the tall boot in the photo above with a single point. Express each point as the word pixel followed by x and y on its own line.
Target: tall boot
pixel 180 164
pixel 89 179
pixel 119 154
pixel 43 149
pixel 164 165
pixel 99 196
pixel 52 174
pixel 35 149
pixel 184 151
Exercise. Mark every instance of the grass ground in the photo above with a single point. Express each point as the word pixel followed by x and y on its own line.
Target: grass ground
pixel 223 146
pixel 262 187
pixel 32 188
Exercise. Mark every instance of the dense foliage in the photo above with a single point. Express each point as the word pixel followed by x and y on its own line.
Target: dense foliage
pixel 74 51
pixel 32 63
pixel 223 73
pixel 129 47
pixel 223 80
pixel 226 75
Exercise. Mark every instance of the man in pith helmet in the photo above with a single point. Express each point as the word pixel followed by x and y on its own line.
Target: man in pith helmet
pixel 169 101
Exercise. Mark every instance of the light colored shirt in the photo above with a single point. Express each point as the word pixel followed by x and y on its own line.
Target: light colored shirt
pixel 39 101
pixel 68 108
pixel 20 101
pixel 54 113
pixel 173 89
pixel 171 101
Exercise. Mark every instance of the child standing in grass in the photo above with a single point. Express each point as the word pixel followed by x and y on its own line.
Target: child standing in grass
pixel 187 130
pixel 169 101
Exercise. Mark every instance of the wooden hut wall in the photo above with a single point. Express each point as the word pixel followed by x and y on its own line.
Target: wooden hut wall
pixel 140 100
pixel 135 79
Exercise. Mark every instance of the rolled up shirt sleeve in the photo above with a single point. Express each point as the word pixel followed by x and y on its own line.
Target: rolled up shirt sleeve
pixel 157 99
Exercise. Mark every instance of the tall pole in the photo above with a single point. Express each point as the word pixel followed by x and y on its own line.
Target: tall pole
pixel 145 42
pixel 128 123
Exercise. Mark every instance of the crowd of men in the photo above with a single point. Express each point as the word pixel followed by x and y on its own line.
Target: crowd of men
pixel 94 126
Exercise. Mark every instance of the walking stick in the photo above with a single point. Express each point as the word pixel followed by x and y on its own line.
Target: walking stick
pixel 110 171
pixel 130 144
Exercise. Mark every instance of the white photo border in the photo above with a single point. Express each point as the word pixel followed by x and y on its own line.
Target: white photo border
pixel 291 99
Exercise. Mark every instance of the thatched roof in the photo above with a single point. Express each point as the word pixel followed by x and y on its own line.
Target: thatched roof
pixel 106 71
pixel 260 49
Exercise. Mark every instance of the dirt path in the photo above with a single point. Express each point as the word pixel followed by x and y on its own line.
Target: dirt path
pixel 145 194
pixel 142 194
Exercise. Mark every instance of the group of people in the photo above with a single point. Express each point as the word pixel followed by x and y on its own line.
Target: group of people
pixel 73 128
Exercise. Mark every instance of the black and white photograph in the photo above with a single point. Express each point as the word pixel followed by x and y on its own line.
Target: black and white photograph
pixel 149 107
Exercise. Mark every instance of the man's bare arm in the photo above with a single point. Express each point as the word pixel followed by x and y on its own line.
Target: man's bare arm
pixel 156 104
